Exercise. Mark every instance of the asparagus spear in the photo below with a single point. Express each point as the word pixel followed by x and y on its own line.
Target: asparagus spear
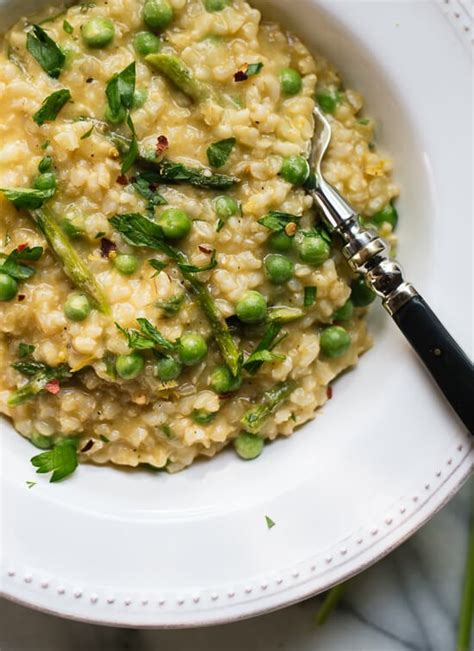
pixel 224 339
pixel 167 171
pixel 38 383
pixel 141 231
pixel 254 418
pixel 174 69
pixel 73 265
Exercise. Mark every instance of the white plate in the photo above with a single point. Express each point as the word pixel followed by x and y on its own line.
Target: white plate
pixel 192 549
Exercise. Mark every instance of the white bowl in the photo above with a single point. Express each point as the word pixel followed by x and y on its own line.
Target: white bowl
pixel 385 454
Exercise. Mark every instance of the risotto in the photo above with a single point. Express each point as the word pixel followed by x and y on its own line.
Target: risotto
pixel 166 285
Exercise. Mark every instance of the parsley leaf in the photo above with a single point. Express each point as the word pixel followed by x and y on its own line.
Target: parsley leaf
pixel 61 460
pixel 269 522
pixel 51 106
pixel 218 153
pixel 277 221
pixel 138 230
pixel 253 69
pixel 28 198
pixel 309 296
pixel 132 153
pixel 49 55
pixel 193 269
pixel 11 265
pixel 148 338
pixel 25 350
pixel 202 417
pixel 120 90
pixel 145 184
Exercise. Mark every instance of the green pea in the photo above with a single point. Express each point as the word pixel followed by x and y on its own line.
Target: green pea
pixel 146 43
pixel 313 249
pixel 140 96
pixel 175 223
pixel 157 14
pixel 226 207
pixel 126 263
pixel 192 348
pixel 115 119
pixel 45 165
pixel 295 170
pixel 45 181
pixel 222 380
pixel 98 32
pixel 334 341
pixel 8 287
pixel 252 307
pixel 280 242
pixel 290 81
pixel 361 294
pixel 345 312
pixel 278 268
pixel 77 307
pixel 248 446
pixel 388 215
pixel 216 5
pixel 168 369
pixel 130 366
pixel 328 100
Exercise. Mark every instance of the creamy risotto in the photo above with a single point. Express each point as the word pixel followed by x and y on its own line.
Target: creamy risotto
pixel 166 285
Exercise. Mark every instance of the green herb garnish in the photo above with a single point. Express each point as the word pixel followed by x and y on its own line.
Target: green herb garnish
pixel 267 344
pixel 87 134
pixel 254 418
pixel 172 305
pixel 61 460
pixel 202 416
pixel 158 265
pixel 146 185
pixel 193 269
pixel 25 350
pixel 253 69
pixel 278 221
pixel 49 55
pixel 147 338
pixel 67 27
pixel 269 522
pixel 12 267
pixel 51 106
pixel 120 90
pixel 218 153
pixel 27 198
pixel 132 153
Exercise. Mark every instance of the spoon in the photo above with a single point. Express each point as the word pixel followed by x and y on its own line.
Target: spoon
pixel 368 254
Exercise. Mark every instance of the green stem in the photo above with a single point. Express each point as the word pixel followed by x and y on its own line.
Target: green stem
pixel 330 602
pixel 467 600
pixel 73 265
pixel 174 69
pixel 254 418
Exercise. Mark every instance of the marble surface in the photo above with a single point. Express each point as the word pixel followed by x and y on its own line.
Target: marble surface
pixel 409 600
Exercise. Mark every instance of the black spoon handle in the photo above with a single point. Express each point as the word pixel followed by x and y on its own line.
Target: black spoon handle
pixel 449 366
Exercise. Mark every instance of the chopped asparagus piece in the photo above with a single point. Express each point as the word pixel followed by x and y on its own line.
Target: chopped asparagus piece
pixel 283 314
pixel 174 69
pixel 38 384
pixel 73 265
pixel 141 231
pixel 254 418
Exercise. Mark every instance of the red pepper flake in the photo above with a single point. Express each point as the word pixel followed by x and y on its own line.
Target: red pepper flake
pixel 21 297
pixel 241 75
pixel 329 392
pixel 122 179
pixel 53 387
pixel 106 247
pixel 205 249
pixel 88 445
pixel 21 247
pixel 162 145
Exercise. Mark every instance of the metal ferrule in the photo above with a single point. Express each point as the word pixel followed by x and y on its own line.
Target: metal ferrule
pixel 365 252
